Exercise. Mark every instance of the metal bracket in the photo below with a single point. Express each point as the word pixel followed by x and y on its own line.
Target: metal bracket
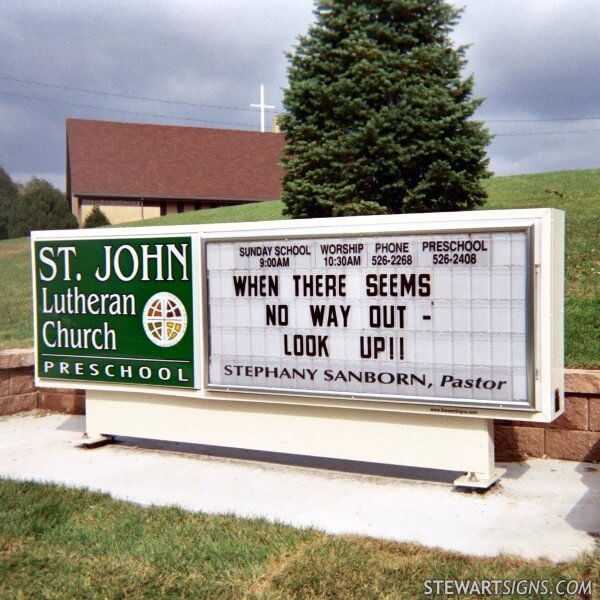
pixel 481 481
pixel 94 440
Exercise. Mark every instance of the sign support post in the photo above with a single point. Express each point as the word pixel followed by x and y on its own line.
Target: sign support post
pixel 403 439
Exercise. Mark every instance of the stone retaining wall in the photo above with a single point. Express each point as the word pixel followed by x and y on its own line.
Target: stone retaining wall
pixel 18 392
pixel 575 436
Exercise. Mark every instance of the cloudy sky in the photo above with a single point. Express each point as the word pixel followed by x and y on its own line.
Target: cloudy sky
pixel 201 62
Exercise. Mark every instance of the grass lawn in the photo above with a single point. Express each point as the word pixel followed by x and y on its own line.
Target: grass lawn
pixel 15 290
pixel 60 543
pixel 576 192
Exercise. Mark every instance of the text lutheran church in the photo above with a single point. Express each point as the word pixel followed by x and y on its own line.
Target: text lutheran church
pixel 137 171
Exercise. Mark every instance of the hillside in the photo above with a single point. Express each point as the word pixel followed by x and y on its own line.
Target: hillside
pixel 576 192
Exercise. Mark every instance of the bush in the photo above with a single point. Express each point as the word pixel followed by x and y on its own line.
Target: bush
pixel 96 219
pixel 39 206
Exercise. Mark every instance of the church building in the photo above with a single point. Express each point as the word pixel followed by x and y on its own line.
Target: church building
pixel 135 171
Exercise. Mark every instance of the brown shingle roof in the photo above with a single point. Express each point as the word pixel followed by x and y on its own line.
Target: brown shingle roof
pixel 165 161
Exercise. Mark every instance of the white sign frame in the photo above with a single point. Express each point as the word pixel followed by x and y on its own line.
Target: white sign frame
pixel 545 306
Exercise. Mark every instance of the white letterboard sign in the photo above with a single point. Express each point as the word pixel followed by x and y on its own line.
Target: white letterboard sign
pixel 427 317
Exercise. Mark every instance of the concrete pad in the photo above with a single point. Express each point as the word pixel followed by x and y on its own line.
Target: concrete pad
pixel 540 509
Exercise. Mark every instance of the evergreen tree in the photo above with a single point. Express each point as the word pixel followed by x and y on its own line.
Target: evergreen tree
pixel 39 206
pixel 96 218
pixel 8 195
pixel 377 114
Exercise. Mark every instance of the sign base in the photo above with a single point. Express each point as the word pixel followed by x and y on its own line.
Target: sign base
pixel 451 443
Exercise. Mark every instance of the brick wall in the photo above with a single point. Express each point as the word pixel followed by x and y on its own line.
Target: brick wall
pixel 574 436
pixel 18 392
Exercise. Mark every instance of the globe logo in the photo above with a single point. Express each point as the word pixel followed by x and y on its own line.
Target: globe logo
pixel 165 319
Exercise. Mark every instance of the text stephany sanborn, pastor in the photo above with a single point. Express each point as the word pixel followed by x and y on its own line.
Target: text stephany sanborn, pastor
pixel 256 373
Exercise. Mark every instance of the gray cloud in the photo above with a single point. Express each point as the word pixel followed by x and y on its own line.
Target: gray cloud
pixel 534 59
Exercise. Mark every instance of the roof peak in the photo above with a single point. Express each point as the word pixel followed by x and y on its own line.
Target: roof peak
pixel 109 122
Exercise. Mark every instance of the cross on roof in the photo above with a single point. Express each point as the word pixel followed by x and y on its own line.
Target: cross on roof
pixel 262 107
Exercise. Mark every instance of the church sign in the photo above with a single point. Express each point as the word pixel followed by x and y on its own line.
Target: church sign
pixel 115 310
pixel 455 312
pixel 390 339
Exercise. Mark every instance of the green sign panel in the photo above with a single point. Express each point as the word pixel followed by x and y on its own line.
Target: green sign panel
pixel 115 310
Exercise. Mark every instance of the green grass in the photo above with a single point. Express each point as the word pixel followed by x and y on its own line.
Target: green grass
pixel 576 192
pixel 15 294
pixel 68 544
